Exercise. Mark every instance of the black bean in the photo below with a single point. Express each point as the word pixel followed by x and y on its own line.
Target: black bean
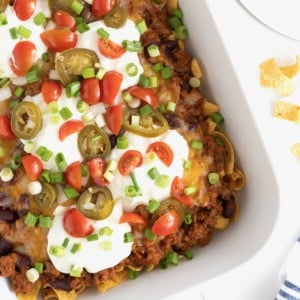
pixel 22 205
pixel 23 261
pixel 8 215
pixel 228 207
pixel 5 247
pixel 61 284
pixel 5 200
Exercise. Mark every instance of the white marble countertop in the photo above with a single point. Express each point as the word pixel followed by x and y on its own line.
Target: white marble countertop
pixel 248 43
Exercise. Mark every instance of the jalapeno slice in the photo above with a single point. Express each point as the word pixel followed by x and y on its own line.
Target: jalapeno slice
pixel 3 5
pixel 47 197
pixel 93 142
pixel 65 5
pixel 168 205
pixel 70 63
pixel 96 202
pixel 116 18
pixel 152 125
pixel 26 120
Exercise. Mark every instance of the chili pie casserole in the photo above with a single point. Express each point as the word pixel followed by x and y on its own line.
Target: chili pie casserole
pixel 112 162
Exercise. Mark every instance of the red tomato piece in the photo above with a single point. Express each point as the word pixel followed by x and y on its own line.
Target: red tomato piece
pixel 64 19
pixel 114 118
pixel 74 176
pixel 23 57
pixel 132 218
pixel 129 160
pixel 90 90
pixel 24 9
pixel 110 49
pixel 51 90
pixel 5 128
pixel 59 40
pixel 145 94
pixel 33 166
pixel 110 86
pixel 101 7
pixel 68 128
pixel 166 224
pixel 177 189
pixel 76 224
pixel 163 151
pixel 97 168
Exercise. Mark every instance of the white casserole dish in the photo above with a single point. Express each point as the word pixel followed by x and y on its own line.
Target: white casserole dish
pixel 259 201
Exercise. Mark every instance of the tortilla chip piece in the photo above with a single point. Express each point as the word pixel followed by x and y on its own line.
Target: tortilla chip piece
pixel 296 149
pixel 32 295
pixel 275 78
pixel 286 111
pixel 292 70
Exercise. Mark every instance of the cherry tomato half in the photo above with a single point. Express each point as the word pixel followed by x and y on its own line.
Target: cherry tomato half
pixel 177 191
pixel 132 218
pixel 110 86
pixel 129 160
pixel 59 40
pixel 5 128
pixel 24 8
pixel 76 224
pixel 114 118
pixel 145 94
pixel 69 127
pixel 166 224
pixel 163 151
pixel 97 168
pixel 23 57
pixel 51 90
pixel 74 176
pixel 90 90
pixel 32 166
pixel 64 19
pixel 110 49
pixel 102 7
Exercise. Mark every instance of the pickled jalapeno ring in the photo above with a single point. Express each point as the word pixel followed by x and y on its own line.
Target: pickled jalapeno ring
pixel 93 142
pixel 47 197
pixel 116 18
pixel 96 203
pixel 26 120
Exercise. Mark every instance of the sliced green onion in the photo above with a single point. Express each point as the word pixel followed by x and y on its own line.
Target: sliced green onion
pixel 162 181
pixel 132 46
pixel 15 162
pixel 33 75
pixel 148 234
pixel 132 274
pixel 82 27
pixel 130 191
pixel 44 153
pixel 84 171
pixel 122 142
pixel 78 19
pixel 39 266
pixel 197 145
pixel 153 173
pixel 39 19
pixel 144 81
pixel 45 57
pixel 54 119
pixel 32 275
pixel 181 32
pixel 173 258
pixel 57 177
pixel 45 221
pixel 4 82
pixel 71 193
pixel 92 237
pixel 153 205
pixel 194 82
pixel 177 12
pixel 18 91
pixel 153 81
pixel 142 26
pixel 112 165
pixel 106 245
pixel 65 113
pixel 128 237
pixel 103 33
pixel 88 73
pixel 31 219
pixel 75 248
pixel 126 96
pixel 46 176
pixel 188 254
pixel 82 106
pixel 166 73
pixel 146 110
pixel 174 22
pixel 77 7
pixel 73 88
pixel 60 162
pixel 100 73
pixel 219 141
pixel 135 184
pixel 76 272
pixel 108 175
pixel 52 107
pixel 213 178
pixel 3 19
pixel 171 106
pixel 66 242
pixel 187 165
pixel 131 69
pixel 217 117
pixel 24 32
pixel 153 50
pixel 105 231
pixel 157 67
pixel 2 152
pixel 13 33
pixel 188 218
pixel 189 190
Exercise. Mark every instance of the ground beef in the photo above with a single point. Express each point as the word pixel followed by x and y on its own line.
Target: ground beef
pixel 8 265
pixel 20 284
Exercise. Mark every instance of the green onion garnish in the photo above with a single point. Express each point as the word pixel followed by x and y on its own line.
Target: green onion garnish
pixel 131 69
pixel 128 237
pixel 60 162
pixel 166 73
pixel 18 91
pixel 132 46
pixel 45 221
pixel 188 254
pixel 157 67
pixel 4 82
pixel 3 19
pixel 189 190
pixel 174 22
pixel 39 19
pixel 70 193
pixel 217 117
pixel 103 33
pixel 92 237
pixel 171 106
pixel 77 7
pixel 144 81
pixel 106 245
pixel 88 73
pixel 153 173
pixel 162 181
pixel 197 145
pixel 188 218
pixel 13 33
pixel 65 113
pixel 105 231
pixel 44 153
pixel 76 272
pixel 153 50
pixel 73 89
pixel 181 32
pixel 148 234
pixel 33 75
pixel 142 26
pixel 57 177
pixel 58 251
pixel 24 32
pixel 122 142
pixel 153 205
pixel 132 274
pixel 39 266
pixel 66 242
pixel 75 248
pixel 213 178
pixel 31 219
pixel 82 27
pixel 145 110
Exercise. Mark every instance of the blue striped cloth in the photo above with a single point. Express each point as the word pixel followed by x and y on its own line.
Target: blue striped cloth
pixel 290 288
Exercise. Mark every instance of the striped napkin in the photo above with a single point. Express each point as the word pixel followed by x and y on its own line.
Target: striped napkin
pixel 290 288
